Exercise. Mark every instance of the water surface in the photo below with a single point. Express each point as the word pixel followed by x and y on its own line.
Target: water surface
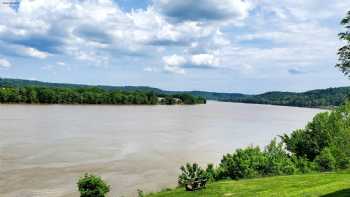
pixel 45 148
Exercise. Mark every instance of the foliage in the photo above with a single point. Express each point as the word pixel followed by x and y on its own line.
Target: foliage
pixel 316 98
pixel 278 162
pixel 310 141
pixel 92 186
pixel 244 163
pixel 329 130
pixel 211 173
pixel 190 100
pixel 303 165
pixel 325 160
pixel 214 173
pixel 192 177
pixel 50 95
pixel 140 193
pixel 344 52
pixel 252 162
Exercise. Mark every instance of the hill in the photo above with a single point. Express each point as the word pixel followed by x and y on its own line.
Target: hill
pixel 318 184
pixel 5 82
pixel 315 98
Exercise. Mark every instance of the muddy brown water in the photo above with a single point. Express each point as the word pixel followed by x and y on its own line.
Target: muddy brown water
pixel 44 149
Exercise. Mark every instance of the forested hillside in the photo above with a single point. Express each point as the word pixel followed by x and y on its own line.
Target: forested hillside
pixel 89 95
pixel 315 98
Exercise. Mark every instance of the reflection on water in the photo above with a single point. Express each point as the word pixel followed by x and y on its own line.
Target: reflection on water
pixel 44 149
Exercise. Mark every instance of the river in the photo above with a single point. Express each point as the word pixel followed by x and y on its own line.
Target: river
pixel 44 149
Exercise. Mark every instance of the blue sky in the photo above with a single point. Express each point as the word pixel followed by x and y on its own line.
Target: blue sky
pixel 249 46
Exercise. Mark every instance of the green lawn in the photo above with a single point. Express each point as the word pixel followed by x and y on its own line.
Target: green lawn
pixel 322 184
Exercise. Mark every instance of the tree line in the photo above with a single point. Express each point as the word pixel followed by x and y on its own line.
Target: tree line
pixel 53 95
pixel 316 98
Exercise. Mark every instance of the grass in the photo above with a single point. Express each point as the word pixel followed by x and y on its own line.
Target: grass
pixel 335 184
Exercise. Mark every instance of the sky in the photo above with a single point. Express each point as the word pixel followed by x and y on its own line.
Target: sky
pixel 246 46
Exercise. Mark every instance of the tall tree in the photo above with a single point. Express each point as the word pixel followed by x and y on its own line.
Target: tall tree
pixel 344 52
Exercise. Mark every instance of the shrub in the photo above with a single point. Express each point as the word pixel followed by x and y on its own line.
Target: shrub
pixel 327 134
pixel 310 141
pixel 244 163
pixel 140 193
pixel 92 186
pixel 341 155
pixel 325 161
pixel 211 173
pixel 303 165
pixel 192 177
pixel 278 162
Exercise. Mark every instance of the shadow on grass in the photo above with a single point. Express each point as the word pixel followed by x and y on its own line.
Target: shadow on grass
pixel 340 193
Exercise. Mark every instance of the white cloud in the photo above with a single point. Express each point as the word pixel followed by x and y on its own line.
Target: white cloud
pixel 205 60
pixel 174 60
pixel 267 35
pixel 5 63
pixel 204 10
pixel 35 53
pixel 96 31
pixel 174 69
pixel 174 63
pixel 177 64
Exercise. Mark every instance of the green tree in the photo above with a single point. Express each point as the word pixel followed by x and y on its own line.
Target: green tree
pixel 92 186
pixel 326 161
pixel 278 162
pixel 344 52
pixel 328 130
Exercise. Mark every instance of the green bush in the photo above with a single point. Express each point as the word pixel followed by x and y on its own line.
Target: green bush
pixel 303 165
pixel 328 130
pixel 244 163
pixel 325 161
pixel 92 186
pixel 192 177
pixel 211 173
pixel 310 141
pixel 278 162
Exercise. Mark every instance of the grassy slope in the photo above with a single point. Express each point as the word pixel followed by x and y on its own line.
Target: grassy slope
pixel 322 184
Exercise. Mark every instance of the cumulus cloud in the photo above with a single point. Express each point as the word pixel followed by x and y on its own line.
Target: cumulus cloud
pixel 94 31
pixel 177 64
pixel 204 10
pixel 5 63
pixel 205 60
pixel 35 53
pixel 174 60
pixel 267 35
pixel 174 69
pixel 174 63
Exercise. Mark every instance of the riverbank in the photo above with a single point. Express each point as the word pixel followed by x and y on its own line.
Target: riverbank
pixel 319 184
